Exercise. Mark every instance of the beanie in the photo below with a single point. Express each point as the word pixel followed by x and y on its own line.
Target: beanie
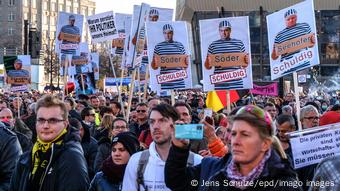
pixel 129 140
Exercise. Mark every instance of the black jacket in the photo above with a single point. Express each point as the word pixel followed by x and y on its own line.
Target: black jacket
pixel 104 151
pixel 10 151
pixel 101 183
pixel 137 129
pixel 66 170
pixel 179 177
pixel 90 148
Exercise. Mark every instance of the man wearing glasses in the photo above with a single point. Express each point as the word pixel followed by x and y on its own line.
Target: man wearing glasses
pixel 142 119
pixel 56 157
pixel 309 117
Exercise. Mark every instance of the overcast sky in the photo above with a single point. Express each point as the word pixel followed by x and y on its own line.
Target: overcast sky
pixel 126 6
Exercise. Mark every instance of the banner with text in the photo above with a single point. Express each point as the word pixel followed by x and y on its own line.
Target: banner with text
pixel 102 27
pixel 311 148
pixel 292 39
pixel 270 89
pixel 226 55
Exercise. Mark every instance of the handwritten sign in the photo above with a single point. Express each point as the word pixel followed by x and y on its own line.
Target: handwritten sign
pixel 270 89
pixel 70 37
pixel 171 61
pixel 313 147
pixel 228 59
pixel 294 44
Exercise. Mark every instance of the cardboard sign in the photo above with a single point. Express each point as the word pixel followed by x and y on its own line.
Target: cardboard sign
pixel 228 59
pixel 69 37
pixel 171 61
pixel 80 61
pixel 118 43
pixel 295 44
pixel 18 80
pixel 270 89
pixel 311 148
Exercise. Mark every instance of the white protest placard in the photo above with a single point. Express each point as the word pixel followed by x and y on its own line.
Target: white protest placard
pixel 69 33
pixel 226 55
pixel 121 20
pixel 292 39
pixel 169 60
pixel 102 27
pixel 311 148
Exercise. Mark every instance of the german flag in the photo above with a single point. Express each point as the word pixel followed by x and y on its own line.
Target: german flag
pixel 217 100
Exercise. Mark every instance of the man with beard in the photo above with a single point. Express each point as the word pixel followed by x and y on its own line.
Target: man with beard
pixel 146 169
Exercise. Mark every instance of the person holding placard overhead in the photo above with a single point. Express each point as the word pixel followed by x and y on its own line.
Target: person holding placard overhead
pixel 168 53
pixel 69 34
pixel 293 30
pixel 215 57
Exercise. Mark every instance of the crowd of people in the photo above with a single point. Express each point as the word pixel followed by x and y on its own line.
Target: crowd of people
pixel 49 142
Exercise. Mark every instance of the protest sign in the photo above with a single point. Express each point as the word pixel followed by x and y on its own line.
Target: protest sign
pixel 18 72
pixel 69 33
pixel 270 89
pixel 169 59
pixel 226 55
pixel 311 147
pixel 102 27
pixel 121 20
pixel 292 39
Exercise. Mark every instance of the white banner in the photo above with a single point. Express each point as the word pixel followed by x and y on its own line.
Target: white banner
pixel 292 39
pixel 311 148
pixel 102 27
pixel 226 55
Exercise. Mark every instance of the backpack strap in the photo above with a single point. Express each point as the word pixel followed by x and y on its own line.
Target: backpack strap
pixel 143 161
pixel 190 161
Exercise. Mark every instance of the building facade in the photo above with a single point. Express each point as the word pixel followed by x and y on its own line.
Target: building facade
pixel 327 15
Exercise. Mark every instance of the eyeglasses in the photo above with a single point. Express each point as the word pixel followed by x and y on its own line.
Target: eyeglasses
pixel 6 117
pixel 258 112
pixel 119 127
pixel 140 111
pixel 51 121
pixel 312 118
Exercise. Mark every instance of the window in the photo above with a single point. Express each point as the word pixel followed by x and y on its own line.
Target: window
pixel 53 6
pixel 61 7
pixel 45 6
pixel 25 16
pixel 11 17
pixel 11 2
pixel 75 10
pixel 10 31
pixel 34 4
pixel 68 9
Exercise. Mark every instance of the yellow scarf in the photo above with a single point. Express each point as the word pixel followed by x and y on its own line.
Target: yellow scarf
pixel 43 146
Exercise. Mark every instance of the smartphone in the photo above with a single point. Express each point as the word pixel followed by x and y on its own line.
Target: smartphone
pixel 189 131
pixel 208 112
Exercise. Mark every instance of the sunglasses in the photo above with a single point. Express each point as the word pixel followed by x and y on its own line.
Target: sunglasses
pixel 140 111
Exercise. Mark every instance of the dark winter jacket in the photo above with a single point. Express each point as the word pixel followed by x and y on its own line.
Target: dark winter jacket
pixel 10 151
pixel 137 129
pixel 66 170
pixel 104 151
pixel 180 177
pixel 101 183
pixel 90 148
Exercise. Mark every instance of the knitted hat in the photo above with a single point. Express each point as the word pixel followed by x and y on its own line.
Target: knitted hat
pixel 129 140
pixel 225 23
pixel 290 12
pixel 167 27
pixel 153 12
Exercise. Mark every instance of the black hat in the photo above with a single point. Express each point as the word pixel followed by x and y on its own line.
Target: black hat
pixel 129 140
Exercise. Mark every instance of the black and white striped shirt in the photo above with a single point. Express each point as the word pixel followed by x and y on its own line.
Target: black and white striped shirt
pixel 68 29
pixel 170 48
pixel 286 34
pixel 227 46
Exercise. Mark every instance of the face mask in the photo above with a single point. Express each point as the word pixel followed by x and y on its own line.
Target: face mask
pixel 324 107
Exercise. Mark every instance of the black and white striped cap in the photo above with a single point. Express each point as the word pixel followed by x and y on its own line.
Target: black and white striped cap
pixel 153 12
pixel 225 23
pixel 167 27
pixel 290 12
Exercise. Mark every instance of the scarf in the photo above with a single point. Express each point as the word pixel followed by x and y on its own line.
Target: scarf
pixel 235 175
pixel 113 172
pixel 41 154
